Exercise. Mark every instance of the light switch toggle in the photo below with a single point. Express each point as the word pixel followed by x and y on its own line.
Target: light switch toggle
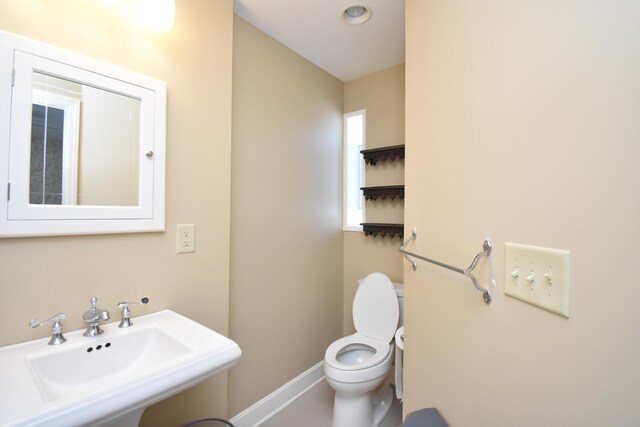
pixel 545 274
pixel 515 274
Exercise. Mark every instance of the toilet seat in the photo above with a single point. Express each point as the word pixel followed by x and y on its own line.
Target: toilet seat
pixel 375 308
pixel 379 351
pixel 375 317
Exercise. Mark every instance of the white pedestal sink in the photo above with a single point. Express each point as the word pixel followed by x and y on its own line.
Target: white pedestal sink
pixel 108 380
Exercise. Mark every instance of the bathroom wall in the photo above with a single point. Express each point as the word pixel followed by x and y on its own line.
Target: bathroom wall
pixel 43 276
pixel 382 95
pixel 522 125
pixel 286 240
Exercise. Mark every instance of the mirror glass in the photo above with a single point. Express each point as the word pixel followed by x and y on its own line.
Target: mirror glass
pixel 85 143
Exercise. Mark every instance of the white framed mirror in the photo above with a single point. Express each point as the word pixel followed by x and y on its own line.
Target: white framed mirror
pixel 82 144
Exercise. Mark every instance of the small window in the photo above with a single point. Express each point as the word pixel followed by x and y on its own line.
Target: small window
pixel 354 141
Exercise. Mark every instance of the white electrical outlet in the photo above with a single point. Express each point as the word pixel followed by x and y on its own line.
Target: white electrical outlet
pixel 186 238
pixel 539 276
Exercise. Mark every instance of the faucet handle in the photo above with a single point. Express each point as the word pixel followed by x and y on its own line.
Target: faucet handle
pixel 124 304
pixel 56 328
pixel 34 323
pixel 124 307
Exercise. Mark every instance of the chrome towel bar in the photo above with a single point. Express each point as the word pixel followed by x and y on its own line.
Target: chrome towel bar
pixel 486 251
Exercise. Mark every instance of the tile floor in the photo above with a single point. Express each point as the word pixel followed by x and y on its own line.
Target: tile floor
pixel 315 409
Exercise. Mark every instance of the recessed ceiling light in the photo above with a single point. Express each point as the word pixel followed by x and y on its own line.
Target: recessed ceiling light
pixel 356 14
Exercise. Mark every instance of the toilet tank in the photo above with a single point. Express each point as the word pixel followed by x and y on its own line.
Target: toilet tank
pixel 400 293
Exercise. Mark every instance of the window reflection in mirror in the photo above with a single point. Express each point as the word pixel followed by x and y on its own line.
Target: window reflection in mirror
pixel 45 178
pixel 84 145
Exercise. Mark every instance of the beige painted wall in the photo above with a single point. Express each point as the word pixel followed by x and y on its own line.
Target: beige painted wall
pixel 42 276
pixel 522 125
pixel 382 95
pixel 286 247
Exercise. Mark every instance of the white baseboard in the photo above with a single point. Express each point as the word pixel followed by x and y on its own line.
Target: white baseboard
pixel 265 408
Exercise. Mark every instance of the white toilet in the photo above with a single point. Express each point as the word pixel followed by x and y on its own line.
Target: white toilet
pixel 357 365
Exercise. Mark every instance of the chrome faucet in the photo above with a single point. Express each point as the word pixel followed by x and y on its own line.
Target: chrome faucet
pixel 56 327
pixel 93 317
pixel 126 313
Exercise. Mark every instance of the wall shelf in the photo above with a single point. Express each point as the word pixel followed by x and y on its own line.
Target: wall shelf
pixel 374 155
pixel 383 192
pixel 379 229
pixel 371 157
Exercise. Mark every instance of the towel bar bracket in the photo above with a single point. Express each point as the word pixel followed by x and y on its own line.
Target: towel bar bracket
pixel 486 251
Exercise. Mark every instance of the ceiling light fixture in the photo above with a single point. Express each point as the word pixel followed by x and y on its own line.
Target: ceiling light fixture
pixel 156 14
pixel 356 14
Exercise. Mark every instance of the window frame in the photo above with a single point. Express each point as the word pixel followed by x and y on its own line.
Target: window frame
pixel 350 188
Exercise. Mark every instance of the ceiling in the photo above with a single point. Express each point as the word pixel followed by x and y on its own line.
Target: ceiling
pixel 315 30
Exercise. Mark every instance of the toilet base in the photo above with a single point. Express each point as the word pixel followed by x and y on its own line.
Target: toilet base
pixel 364 410
pixel 382 404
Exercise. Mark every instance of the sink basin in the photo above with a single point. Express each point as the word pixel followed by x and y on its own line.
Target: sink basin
pixel 108 380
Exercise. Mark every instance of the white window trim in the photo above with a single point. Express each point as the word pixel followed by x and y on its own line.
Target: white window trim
pixel 345 172
pixel 70 138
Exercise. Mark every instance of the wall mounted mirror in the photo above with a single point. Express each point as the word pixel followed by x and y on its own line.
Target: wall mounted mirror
pixel 82 146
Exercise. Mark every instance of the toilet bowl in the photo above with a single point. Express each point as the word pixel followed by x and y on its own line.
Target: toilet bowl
pixel 357 365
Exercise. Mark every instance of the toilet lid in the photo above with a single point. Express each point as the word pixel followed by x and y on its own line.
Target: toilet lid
pixel 375 308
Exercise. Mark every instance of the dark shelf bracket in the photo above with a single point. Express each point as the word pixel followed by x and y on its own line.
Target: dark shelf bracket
pixel 374 155
pixel 378 229
pixel 388 191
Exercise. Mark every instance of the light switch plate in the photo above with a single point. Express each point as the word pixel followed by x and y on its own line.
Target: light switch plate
pixel 185 238
pixel 539 276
